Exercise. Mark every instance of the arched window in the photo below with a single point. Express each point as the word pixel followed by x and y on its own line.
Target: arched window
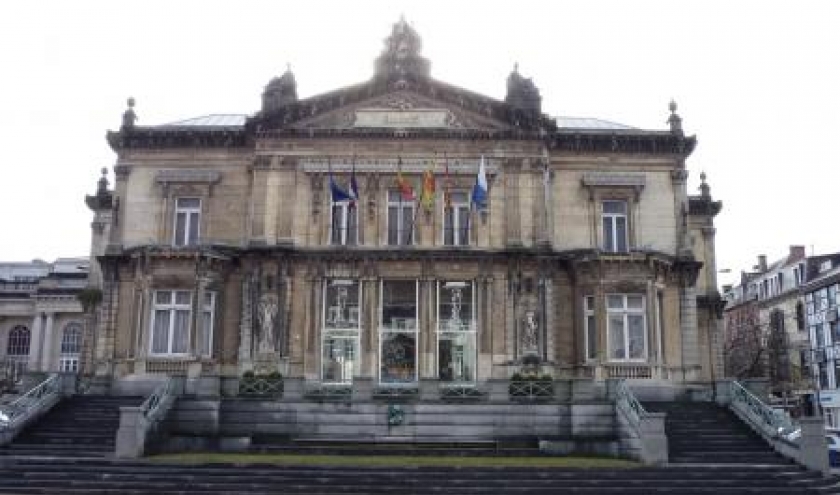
pixel 18 345
pixel 71 343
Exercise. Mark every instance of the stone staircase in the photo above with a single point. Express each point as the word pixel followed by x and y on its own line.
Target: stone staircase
pixel 69 452
pixel 78 427
pixel 429 447
pixel 705 433
pixel 93 477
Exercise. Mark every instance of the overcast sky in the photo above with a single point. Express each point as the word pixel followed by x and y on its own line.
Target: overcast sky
pixel 756 81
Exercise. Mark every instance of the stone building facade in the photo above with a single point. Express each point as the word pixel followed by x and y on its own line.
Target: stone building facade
pixel 348 234
pixel 42 322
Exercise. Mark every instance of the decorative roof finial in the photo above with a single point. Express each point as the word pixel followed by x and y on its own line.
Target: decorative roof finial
pixel 674 121
pixel 400 61
pixel 129 117
pixel 704 188
pixel 522 93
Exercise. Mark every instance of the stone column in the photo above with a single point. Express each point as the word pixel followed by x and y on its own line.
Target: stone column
pixel 245 359
pixel 549 326
pixel 513 232
pixel 35 342
pixel 688 332
pixel 47 362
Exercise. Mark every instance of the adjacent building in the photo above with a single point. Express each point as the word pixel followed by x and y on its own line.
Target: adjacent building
pixel 765 325
pixel 404 229
pixel 821 294
pixel 41 318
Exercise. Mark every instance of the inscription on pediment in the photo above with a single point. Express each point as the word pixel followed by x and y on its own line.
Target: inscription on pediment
pixel 405 119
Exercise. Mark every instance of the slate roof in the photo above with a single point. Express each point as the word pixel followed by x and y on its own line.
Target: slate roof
pixel 238 120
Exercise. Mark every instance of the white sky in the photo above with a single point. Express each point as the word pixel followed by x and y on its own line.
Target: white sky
pixel 757 81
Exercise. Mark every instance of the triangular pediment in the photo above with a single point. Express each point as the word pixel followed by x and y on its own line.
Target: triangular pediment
pixel 405 109
pixel 423 104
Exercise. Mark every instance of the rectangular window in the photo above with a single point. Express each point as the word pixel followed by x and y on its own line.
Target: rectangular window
pixel 171 312
pixel 627 327
pixel 614 222
pixel 456 220
pixel 780 283
pixel 344 229
pixel 208 313
pixel 400 220
pixel 456 332
pixel 398 332
pixel 187 221
pixel 340 334
pixel 590 331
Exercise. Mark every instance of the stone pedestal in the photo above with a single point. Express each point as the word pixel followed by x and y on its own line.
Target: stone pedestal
pixel 429 389
pixel 294 388
pixel 203 386
pixel 584 390
pixel 498 390
pixel 813 450
pixel 362 388
pixel 131 434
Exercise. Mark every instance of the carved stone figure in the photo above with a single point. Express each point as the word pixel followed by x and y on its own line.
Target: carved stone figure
pixel 129 117
pixel 530 342
pixel 267 310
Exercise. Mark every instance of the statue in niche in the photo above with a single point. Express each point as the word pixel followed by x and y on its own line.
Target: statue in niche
pixel 529 334
pixel 267 309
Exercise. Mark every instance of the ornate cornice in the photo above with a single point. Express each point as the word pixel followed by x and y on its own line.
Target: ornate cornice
pixel 630 142
pixel 702 205
pixel 175 137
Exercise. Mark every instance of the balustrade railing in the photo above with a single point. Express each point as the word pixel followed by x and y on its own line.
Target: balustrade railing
pixel 261 386
pixel 628 405
pixel 11 372
pixel 462 392
pixel 31 403
pixel 158 402
pixel 772 423
pixel 531 389
pixel 335 393
pixel 404 392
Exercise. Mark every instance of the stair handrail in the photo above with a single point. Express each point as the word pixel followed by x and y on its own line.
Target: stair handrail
pixel 628 404
pixel 773 423
pixel 158 402
pixel 27 405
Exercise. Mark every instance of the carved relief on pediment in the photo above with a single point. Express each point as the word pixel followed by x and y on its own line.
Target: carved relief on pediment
pixel 397 110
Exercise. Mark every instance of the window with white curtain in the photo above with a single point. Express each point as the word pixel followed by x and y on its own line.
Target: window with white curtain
pixel 171 314
pixel 187 221
pixel 208 313
pixel 456 220
pixel 71 345
pixel 614 222
pixel 590 329
pixel 626 327
pixel 400 220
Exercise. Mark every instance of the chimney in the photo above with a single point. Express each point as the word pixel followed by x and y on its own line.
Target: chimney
pixel 797 252
pixel 762 263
